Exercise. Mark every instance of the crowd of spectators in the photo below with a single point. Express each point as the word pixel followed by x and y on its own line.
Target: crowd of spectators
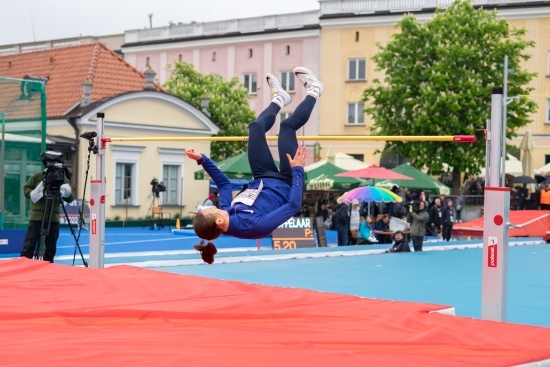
pixel 361 223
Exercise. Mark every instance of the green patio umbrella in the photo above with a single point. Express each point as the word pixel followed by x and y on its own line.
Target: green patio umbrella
pixel 324 178
pixel 235 167
pixel 419 181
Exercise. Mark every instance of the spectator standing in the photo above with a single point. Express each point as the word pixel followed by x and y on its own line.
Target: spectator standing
pixel 521 195
pixel 545 198
pixel 341 223
pixel 354 222
pixel 529 202
pixel 304 212
pixel 435 217
pixel 418 217
pixel 322 212
pixel 459 203
pixel 396 209
pixel 447 220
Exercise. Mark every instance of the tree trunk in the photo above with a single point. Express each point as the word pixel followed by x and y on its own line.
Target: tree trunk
pixel 456 183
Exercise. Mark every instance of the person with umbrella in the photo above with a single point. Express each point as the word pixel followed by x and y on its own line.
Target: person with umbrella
pixel 521 194
pixel 274 195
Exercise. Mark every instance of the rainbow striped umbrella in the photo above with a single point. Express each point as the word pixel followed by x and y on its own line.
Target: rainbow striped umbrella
pixel 369 194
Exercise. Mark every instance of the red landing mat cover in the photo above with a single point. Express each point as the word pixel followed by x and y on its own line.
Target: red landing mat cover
pixel 534 223
pixel 57 315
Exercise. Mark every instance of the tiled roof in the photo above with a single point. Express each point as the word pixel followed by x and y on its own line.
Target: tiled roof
pixel 68 67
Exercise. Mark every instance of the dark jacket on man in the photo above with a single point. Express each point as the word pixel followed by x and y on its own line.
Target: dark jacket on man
pixel 342 215
pixel 436 215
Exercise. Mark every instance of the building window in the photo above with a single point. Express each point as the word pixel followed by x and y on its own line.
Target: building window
pixel 123 183
pixel 287 49
pixel 355 113
pixel 548 71
pixel 359 157
pixel 356 36
pixel 250 82
pixel 287 80
pixel 356 69
pixel 285 115
pixel 548 110
pixel 170 177
pixel 250 53
pixel 147 61
pixel 126 173
pixel 214 56
pixel 546 159
pixel 179 57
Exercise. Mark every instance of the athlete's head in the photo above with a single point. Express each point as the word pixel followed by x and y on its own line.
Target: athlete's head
pixel 210 223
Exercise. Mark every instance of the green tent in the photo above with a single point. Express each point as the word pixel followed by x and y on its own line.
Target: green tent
pixel 420 181
pixel 323 178
pixel 235 167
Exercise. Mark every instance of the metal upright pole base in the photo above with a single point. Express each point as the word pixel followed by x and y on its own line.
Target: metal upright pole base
pixel 496 219
pixel 494 287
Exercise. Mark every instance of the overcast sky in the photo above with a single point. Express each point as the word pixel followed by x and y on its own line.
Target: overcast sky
pixel 39 20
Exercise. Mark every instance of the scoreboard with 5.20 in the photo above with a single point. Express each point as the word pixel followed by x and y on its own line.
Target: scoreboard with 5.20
pixel 294 233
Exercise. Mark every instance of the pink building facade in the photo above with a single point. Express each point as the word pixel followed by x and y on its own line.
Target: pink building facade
pixel 244 48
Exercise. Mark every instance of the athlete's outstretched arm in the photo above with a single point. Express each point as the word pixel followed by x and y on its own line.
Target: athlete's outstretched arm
pixel 221 181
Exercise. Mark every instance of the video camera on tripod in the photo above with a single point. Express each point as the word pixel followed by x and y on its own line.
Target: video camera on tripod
pixel 157 187
pixel 54 171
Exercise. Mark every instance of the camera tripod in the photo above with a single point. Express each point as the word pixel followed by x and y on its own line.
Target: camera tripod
pixel 155 209
pixel 50 197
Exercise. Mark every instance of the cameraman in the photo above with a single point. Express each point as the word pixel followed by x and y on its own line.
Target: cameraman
pixel 34 189
pixel 418 217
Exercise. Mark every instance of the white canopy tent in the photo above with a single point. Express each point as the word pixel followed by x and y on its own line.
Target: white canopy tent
pixel 544 170
pixel 512 167
pixel 341 160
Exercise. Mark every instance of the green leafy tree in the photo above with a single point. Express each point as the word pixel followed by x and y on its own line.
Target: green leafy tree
pixel 228 106
pixel 438 80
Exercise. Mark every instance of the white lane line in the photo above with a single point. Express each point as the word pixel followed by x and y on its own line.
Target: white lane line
pixel 125 242
pixel 293 256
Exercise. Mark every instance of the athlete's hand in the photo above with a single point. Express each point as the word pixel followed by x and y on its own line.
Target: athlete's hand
pixel 299 159
pixel 192 154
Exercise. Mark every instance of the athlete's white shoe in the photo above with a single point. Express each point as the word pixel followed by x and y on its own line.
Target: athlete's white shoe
pixel 313 86
pixel 279 95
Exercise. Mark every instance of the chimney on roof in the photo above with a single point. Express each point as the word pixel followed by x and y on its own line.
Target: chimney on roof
pixel 87 92
pixel 149 79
